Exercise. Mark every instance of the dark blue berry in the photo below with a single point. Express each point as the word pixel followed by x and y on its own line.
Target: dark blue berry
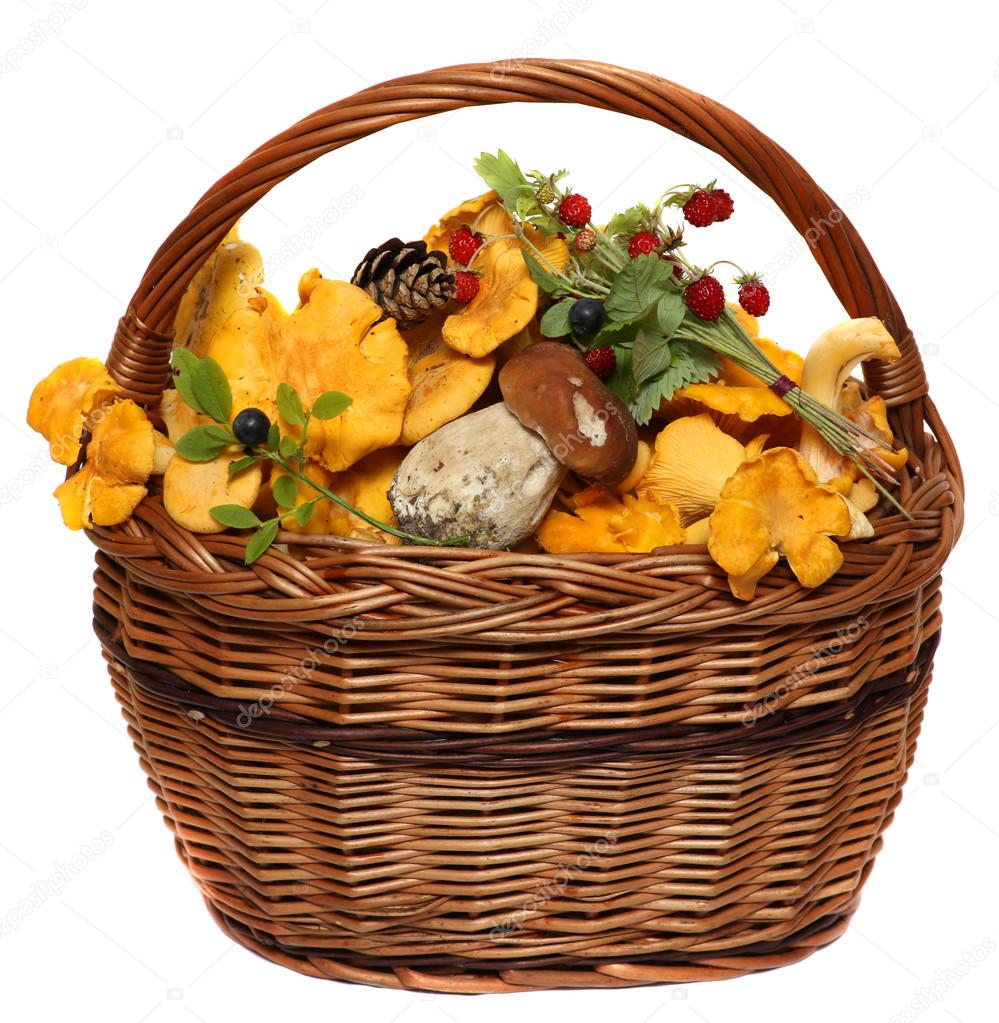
pixel 586 317
pixel 251 427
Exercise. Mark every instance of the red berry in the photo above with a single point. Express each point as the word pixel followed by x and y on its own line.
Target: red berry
pixel 677 265
pixel 700 209
pixel 643 243
pixel 724 204
pixel 585 239
pixel 574 210
pixel 467 285
pixel 754 297
pixel 705 298
pixel 463 244
pixel 602 361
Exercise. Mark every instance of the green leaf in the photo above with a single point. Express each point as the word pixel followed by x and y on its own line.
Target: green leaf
pixel 304 512
pixel 240 464
pixel 650 356
pixel 290 405
pixel 637 288
pixel 184 363
pixel 288 447
pixel 618 333
pixel 260 541
pixel 235 515
pixel 502 174
pixel 211 389
pixel 690 363
pixel 285 492
pixel 546 281
pixel 621 381
pixel 633 220
pixel 204 443
pixel 555 322
pixel 330 404
pixel 274 437
pixel 670 310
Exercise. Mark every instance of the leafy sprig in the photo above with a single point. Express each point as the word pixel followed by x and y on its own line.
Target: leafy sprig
pixel 202 385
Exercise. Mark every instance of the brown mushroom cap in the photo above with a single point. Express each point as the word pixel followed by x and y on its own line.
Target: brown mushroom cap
pixel 551 390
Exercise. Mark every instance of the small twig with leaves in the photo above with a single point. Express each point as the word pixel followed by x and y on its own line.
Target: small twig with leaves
pixel 202 385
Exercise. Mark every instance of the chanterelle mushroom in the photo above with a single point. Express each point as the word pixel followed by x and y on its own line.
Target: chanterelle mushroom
pixel 63 401
pixel 507 297
pixel 224 284
pixel 120 459
pixel 692 461
pixel 773 505
pixel 445 384
pixel 610 523
pixel 830 361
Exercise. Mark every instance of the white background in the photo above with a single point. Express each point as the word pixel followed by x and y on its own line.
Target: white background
pixel 116 116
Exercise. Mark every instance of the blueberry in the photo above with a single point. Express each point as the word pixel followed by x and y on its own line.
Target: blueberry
pixel 251 427
pixel 586 317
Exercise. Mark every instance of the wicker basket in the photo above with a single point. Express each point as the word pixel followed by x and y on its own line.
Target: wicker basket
pixel 477 771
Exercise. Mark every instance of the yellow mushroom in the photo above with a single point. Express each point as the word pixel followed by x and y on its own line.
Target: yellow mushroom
pixel 605 522
pixel 693 459
pixel 773 505
pixel 62 403
pixel 192 489
pixel 828 365
pixel 225 283
pixel 112 482
pixel 445 384
pixel 508 297
pixel 365 485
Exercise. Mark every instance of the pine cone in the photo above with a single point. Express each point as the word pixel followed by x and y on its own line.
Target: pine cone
pixel 408 282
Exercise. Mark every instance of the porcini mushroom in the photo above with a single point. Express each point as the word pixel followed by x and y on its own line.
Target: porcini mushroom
pixel 773 505
pixel 550 389
pixel 693 459
pixel 484 476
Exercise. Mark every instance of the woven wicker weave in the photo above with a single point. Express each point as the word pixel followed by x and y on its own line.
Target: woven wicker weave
pixel 464 770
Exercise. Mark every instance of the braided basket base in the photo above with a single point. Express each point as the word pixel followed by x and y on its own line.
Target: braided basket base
pixel 674 867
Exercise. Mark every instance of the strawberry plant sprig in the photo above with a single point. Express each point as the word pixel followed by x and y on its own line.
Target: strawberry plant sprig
pixel 203 386
pixel 649 319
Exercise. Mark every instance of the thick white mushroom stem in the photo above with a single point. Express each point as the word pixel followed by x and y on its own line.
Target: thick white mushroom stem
pixel 828 365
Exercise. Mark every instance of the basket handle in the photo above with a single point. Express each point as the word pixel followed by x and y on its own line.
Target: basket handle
pixel 140 352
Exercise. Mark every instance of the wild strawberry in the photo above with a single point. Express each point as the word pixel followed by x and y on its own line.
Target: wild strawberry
pixel 546 194
pixel 724 204
pixel 585 239
pixel 575 210
pixel 700 209
pixel 602 361
pixel 463 244
pixel 467 285
pixel 643 243
pixel 677 265
pixel 754 297
pixel 705 298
